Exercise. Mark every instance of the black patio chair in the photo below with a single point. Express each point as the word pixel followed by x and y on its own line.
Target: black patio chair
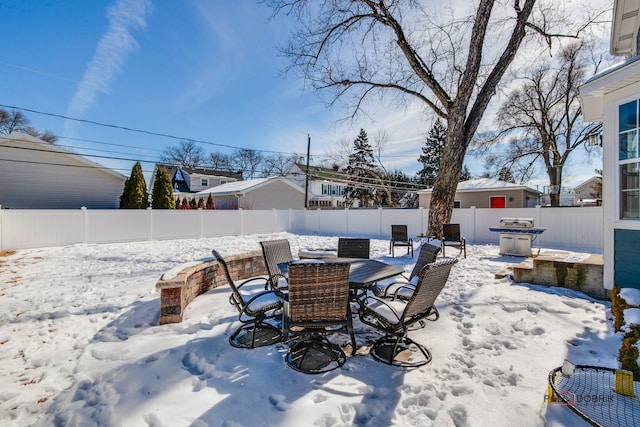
pixel 254 307
pixel 353 248
pixel 451 237
pixel 395 318
pixel 317 304
pixel 400 237
pixel 403 289
pixel 276 252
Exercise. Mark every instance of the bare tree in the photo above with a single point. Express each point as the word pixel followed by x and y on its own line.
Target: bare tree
pixel 367 47
pixel 543 118
pixel 248 161
pixel 14 121
pixel 187 154
pixel 279 164
pixel 220 162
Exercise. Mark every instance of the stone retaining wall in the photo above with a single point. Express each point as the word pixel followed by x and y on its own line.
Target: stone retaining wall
pixel 176 293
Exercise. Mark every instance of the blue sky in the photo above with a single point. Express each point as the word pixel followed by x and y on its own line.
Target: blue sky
pixel 205 70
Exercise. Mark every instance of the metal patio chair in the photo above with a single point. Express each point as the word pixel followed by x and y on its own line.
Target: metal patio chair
pixel 451 237
pixel 317 304
pixel 400 237
pixel 403 289
pixel 276 252
pixel 353 248
pixel 396 318
pixel 254 307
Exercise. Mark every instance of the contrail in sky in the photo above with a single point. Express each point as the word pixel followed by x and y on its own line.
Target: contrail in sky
pixel 112 50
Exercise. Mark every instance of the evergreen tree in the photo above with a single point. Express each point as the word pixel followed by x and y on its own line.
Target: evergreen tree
pixel 193 204
pixel 465 174
pixel 135 195
pixel 200 204
pixel 361 173
pixel 162 196
pixel 209 204
pixel 431 154
pixel 185 204
pixel 504 174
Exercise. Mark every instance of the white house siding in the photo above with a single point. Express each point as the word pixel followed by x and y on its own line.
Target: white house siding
pixel 600 99
pixel 47 177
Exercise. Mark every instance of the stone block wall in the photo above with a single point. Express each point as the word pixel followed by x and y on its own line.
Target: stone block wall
pixel 177 292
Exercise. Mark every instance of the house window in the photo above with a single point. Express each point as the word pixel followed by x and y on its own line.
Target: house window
pixel 204 182
pixel 629 160
pixel 457 204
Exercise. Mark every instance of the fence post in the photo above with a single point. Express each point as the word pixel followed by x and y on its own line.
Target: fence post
pixel 85 224
pixel 150 222
pixel 201 222
pixel 275 220
pixel 346 220
pixel 473 220
pixel 289 220
pixel 241 221
pixel 379 221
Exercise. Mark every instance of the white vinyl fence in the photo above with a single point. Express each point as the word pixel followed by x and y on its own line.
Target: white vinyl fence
pixel 572 228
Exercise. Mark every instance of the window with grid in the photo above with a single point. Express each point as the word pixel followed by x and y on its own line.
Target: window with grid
pixel 629 160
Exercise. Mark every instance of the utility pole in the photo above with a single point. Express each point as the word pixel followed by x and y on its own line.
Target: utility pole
pixel 306 181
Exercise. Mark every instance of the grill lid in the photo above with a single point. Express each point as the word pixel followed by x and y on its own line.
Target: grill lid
pixel 516 222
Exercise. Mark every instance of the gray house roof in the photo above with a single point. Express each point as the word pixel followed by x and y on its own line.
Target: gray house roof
pixel 484 184
pixel 242 187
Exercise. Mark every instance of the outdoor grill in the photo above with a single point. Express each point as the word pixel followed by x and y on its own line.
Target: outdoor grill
pixel 516 235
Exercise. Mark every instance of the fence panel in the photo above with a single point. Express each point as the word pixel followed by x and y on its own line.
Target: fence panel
pixel 221 223
pixel 571 228
pixel 182 224
pixel 111 226
pixel 23 229
pixel 412 218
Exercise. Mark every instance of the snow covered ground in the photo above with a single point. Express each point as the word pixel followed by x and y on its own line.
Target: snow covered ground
pixel 80 344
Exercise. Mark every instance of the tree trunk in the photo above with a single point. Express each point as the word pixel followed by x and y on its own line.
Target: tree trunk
pixel 444 189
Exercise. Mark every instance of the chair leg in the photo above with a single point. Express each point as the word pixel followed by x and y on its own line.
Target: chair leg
pixel 400 351
pixel 315 356
pixel 255 334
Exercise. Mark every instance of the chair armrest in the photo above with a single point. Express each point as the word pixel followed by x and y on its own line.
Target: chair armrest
pixel 252 279
pixel 395 293
pixel 364 305
pixel 272 282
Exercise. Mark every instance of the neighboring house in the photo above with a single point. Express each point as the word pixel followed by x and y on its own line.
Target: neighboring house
pixel 326 185
pixel 261 193
pixel 613 98
pixel 38 175
pixel 589 193
pixel 188 181
pixel 566 197
pixel 488 193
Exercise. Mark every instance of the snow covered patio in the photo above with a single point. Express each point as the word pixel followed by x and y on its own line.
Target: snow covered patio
pixel 81 345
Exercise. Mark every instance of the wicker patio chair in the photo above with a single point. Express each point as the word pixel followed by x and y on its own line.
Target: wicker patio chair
pixel 403 289
pixel 353 248
pixel 451 237
pixel 317 304
pixel 276 252
pixel 400 237
pixel 395 318
pixel 254 307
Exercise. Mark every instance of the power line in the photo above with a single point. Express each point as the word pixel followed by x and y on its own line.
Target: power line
pixel 163 135
pixel 341 178
pixel 129 129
